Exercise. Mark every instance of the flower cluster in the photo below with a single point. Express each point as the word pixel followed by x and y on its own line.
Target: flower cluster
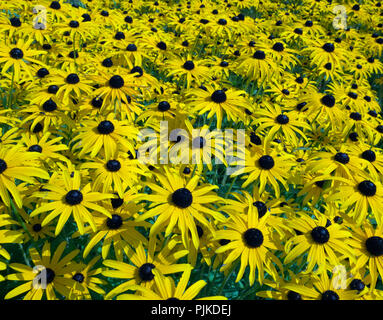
pixel 82 217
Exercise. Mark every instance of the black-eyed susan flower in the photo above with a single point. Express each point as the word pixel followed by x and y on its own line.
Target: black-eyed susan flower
pixel 166 289
pixel 15 163
pixel 145 266
pixel 107 134
pixel 322 240
pixel 16 56
pixel 251 244
pixel 47 277
pixel 182 202
pixel 69 198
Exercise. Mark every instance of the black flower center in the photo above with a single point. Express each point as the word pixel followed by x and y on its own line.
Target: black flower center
pixel 116 202
pixel 259 55
pixel 182 198
pixel 16 53
pixel 222 22
pixel 330 295
pixel 53 89
pixel 278 47
pixel 282 119
pixel 189 65
pixel 116 82
pixel 342 157
pixel 49 106
pixel 299 80
pixel 86 17
pixel 37 227
pixel 374 246
pixel 367 188
pixel 253 237
pixel 107 62
pixel 113 165
pixel 79 277
pixel 105 127
pixel 96 102
pixel 224 64
pixel 72 78
pixel 42 72
pixel 355 116
pixel 137 69
pixel 357 284
pixel 261 207
pixel 320 235
pixel 15 22
pixel 74 24
pixel 55 5
pixel 369 155
pixel 161 45
pixel 163 106
pixel 73 197
pixel 131 47
pixel 218 96
pixel 309 23
pixel 298 31
pixel 73 54
pixel 266 162
pixel 328 100
pixel 328 47
pixel 186 170
pixel 292 295
pixel 356 7
pixel 119 35
pixel 115 222
pixel 145 272
pixel 50 275
pixel 255 139
pixel 35 148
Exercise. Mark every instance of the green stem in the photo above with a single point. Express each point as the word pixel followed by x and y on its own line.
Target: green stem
pixel 18 217
pixel 230 187
pixel 227 278
pixel 9 104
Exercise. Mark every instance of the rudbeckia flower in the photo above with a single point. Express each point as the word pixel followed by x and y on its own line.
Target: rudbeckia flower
pixel 144 267
pixel 322 240
pixel 108 135
pixel 70 199
pixel 321 288
pixel 166 289
pixel 51 267
pixel 16 56
pixel 17 164
pixel 218 102
pixel 251 244
pixel 180 202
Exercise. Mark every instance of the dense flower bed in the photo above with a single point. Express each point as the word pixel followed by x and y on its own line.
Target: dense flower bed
pixel 288 204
